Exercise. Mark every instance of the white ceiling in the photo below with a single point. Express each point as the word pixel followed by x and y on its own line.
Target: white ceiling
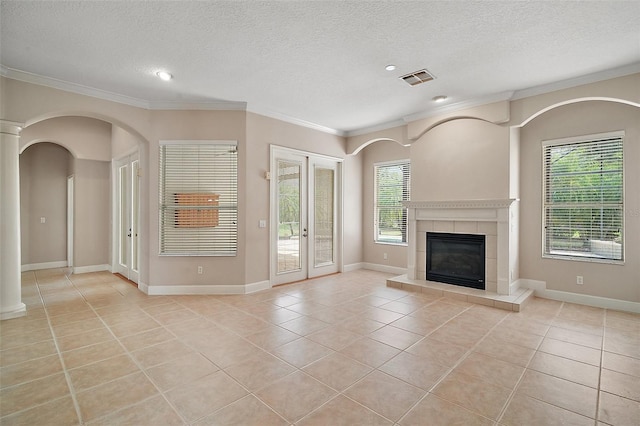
pixel 320 62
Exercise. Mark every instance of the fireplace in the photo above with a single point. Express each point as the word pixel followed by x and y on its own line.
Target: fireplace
pixel 456 259
pixel 496 220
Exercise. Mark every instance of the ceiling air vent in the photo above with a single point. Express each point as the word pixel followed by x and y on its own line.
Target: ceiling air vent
pixel 417 77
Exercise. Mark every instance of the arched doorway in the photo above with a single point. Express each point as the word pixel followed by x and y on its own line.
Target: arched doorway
pixel 44 171
pixel 97 147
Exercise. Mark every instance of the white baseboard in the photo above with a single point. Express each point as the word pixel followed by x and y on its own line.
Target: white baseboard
pixel 384 268
pixel 143 287
pixel 181 290
pixel 540 288
pixel 45 265
pixel 91 268
pixel 258 286
pixel 532 284
pixel 352 267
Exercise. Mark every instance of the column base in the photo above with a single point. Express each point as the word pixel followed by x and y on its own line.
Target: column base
pixel 16 313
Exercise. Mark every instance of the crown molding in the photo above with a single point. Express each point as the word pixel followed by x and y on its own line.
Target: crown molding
pixel 578 81
pixel 292 120
pixel 80 89
pixel 212 106
pixel 441 110
pixel 141 103
pixel 457 106
pixel 54 83
pixel 376 128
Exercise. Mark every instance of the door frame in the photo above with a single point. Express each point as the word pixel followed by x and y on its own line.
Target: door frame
pixel 275 150
pixel 70 219
pixel 126 159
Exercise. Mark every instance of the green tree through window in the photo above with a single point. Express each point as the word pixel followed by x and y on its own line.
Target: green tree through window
pixel 583 198
pixel 392 186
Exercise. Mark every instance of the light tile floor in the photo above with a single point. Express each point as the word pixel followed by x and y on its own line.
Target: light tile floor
pixel 339 350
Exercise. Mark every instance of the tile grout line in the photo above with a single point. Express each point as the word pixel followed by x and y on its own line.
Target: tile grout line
pixel 222 370
pixel 132 358
pixel 67 376
pixel 526 367
pixel 450 369
pixel 599 390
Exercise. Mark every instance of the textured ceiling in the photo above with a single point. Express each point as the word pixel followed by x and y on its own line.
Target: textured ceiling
pixel 317 61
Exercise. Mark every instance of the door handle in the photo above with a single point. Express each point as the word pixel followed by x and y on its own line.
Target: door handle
pixel 304 232
pixel 129 234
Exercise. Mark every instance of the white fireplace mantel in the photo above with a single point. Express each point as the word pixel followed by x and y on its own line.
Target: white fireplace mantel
pixel 461 213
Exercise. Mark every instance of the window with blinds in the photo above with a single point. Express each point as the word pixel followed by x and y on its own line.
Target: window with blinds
pixel 392 186
pixel 584 198
pixel 198 198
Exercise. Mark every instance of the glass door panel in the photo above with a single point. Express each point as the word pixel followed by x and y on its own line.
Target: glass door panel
pixel 323 216
pixel 291 221
pixel 304 224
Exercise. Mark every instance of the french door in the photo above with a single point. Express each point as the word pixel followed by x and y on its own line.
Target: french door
pixel 305 215
pixel 127 217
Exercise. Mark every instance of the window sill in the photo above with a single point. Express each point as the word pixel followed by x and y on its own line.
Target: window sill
pixel 578 258
pixel 391 243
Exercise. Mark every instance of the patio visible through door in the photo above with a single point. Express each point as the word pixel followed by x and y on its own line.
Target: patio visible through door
pixel 305 212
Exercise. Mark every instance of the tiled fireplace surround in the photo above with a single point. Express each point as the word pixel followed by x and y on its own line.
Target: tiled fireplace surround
pixel 496 219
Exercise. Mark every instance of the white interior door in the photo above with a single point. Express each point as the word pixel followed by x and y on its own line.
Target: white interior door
pixel 127 184
pixel 304 216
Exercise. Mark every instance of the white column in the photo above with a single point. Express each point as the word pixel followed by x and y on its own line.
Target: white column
pixel 11 305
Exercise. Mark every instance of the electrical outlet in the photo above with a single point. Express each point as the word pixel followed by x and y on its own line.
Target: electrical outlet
pixel 579 280
pixel 200 270
pixel 43 220
pixel 384 256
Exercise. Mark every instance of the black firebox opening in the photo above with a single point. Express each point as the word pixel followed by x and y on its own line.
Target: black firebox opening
pixel 456 259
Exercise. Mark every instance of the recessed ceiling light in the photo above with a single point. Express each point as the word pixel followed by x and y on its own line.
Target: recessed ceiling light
pixel 164 75
pixel 440 98
pixel 390 67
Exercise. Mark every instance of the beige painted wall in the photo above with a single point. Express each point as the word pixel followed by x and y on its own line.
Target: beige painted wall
pixel 43 193
pixel 457 140
pixel 374 252
pixel 28 103
pixel 122 142
pixel 262 132
pixel 605 280
pixel 353 210
pixel 86 138
pixel 92 208
pixel 462 159
pixel 194 125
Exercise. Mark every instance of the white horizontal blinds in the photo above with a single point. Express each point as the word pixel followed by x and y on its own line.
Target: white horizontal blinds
pixel 583 198
pixel 392 187
pixel 199 198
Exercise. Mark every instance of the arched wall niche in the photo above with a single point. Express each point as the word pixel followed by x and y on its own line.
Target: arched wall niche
pixel 375 140
pixel 575 101
pixel 89 114
pixel 447 120
pixel 571 118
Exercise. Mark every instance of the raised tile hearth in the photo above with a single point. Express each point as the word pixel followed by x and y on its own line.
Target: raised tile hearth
pixel 514 302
